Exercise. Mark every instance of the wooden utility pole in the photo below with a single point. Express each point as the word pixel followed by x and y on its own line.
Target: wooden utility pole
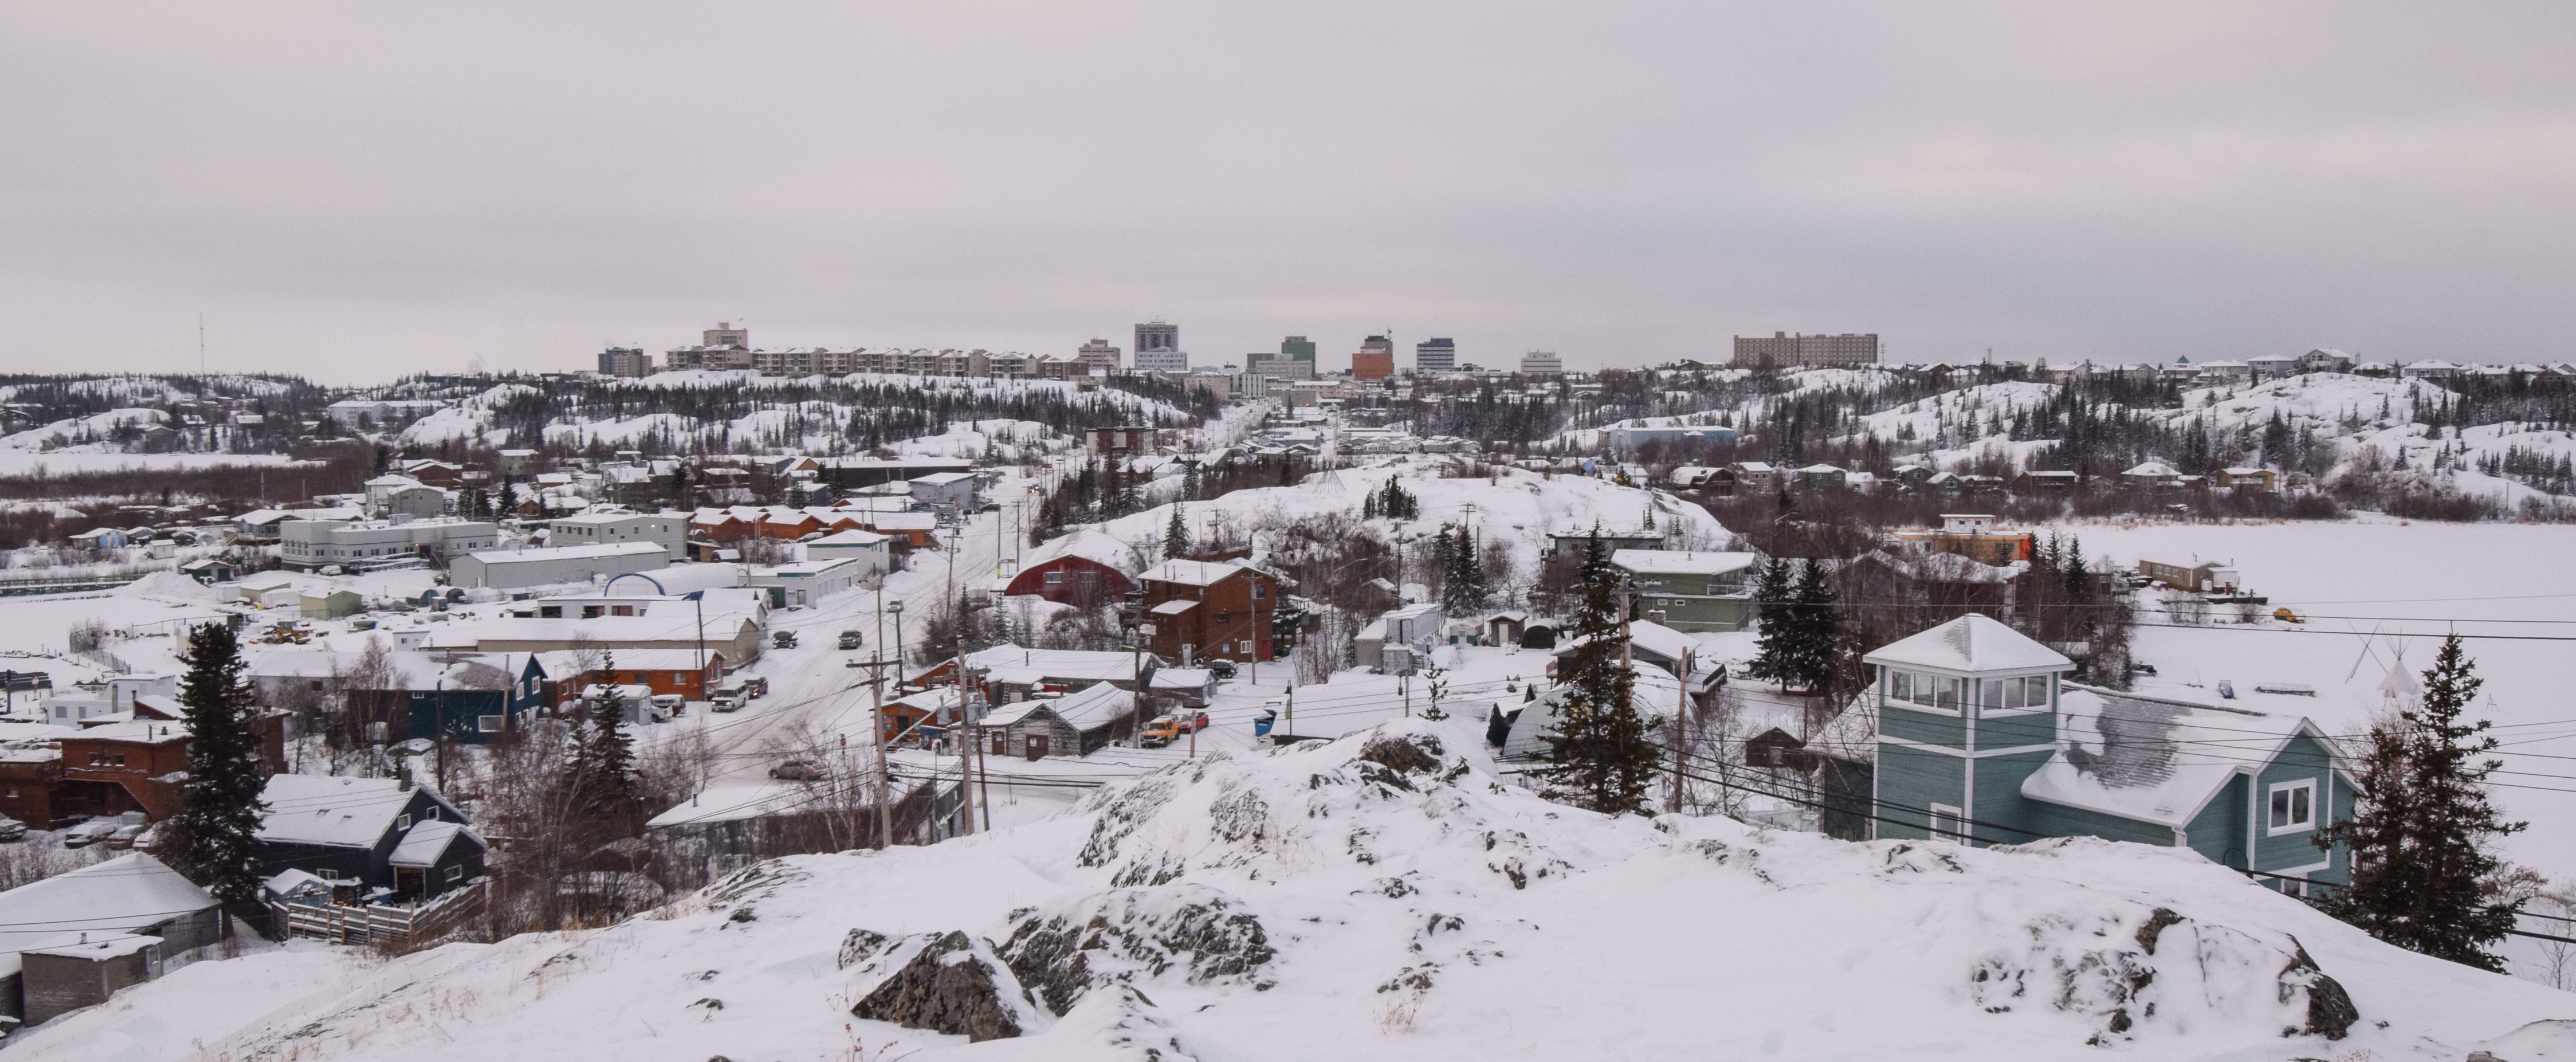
pixel 1681 731
pixel 965 734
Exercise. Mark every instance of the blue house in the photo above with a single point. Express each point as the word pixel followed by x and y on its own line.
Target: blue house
pixel 1981 739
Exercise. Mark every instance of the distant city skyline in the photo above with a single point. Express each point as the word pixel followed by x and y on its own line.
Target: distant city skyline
pixel 367 192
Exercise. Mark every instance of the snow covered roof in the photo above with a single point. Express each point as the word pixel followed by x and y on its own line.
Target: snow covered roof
pixel 1969 644
pixel 852 538
pixel 905 521
pixel 612 549
pixel 337 812
pixel 942 479
pixel 1174 607
pixel 2156 760
pixel 1680 562
pixel 1094 546
pixel 2153 468
pixel 424 843
pixel 1012 665
pixel 1093 706
pixel 293 882
pixel 565 663
pixel 1194 573
pixel 122 895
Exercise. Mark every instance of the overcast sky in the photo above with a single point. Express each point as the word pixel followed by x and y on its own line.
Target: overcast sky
pixel 358 191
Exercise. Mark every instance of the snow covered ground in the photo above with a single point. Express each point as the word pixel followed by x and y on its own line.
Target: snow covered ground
pixel 1384 896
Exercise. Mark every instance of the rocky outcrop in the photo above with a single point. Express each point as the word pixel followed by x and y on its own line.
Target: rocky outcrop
pixel 949 983
pixel 1130 935
pixel 2121 967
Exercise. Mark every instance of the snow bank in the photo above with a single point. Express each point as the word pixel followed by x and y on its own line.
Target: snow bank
pixel 1389 895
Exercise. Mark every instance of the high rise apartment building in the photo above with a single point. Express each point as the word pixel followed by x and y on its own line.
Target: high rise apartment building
pixel 1783 350
pixel 625 361
pixel 1298 347
pixel 1101 355
pixel 721 347
pixel 1435 355
pixel 1542 363
pixel 1375 359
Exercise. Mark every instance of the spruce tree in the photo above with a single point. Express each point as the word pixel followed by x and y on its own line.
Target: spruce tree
pixel 609 766
pixel 214 837
pixel 1774 605
pixel 1464 591
pixel 2423 827
pixel 1176 538
pixel 1813 629
pixel 1601 756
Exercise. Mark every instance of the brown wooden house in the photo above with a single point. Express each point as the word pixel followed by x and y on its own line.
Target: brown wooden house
pixel 1207 610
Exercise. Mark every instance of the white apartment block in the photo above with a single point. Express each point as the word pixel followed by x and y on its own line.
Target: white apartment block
pixel 305 545
pixel 1542 363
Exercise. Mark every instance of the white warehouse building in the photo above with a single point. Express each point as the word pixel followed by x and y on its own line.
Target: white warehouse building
pixel 512 569
pixel 597 528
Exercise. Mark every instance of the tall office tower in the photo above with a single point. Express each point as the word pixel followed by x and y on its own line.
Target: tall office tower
pixel 1435 355
pixel 1157 335
pixel 1375 359
pixel 625 361
pixel 1298 347
pixel 1100 355
pixel 1158 348
pixel 1542 363
pixel 1783 350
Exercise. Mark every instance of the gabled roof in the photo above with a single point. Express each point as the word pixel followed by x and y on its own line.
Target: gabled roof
pixel 1093 706
pixel 1197 573
pixel 335 812
pixel 2155 760
pixel 1971 643
pixel 124 894
pixel 425 842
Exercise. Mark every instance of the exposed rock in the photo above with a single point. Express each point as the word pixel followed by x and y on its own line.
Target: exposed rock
pixel 859 945
pixel 1407 753
pixel 949 983
pixel 2330 1009
pixel 1134 934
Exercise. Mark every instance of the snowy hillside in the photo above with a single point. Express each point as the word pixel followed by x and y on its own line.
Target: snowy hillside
pixel 724 410
pixel 1387 895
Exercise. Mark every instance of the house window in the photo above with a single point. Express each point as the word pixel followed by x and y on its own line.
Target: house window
pixel 402 822
pixel 455 874
pixel 2035 691
pixel 1247 647
pixel 679 678
pixel 1054 577
pixel 1260 592
pixel 621 610
pixel 2294 806
pixel 550 612
pixel 1949 823
pixel 489 724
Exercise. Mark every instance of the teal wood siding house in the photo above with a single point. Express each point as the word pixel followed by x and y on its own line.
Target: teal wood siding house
pixel 1690 590
pixel 1982 740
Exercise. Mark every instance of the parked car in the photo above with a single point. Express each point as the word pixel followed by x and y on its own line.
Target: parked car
pixel 1221 668
pixel 756 687
pixel 1166 729
pixel 12 830
pixel 798 771
pixel 91 832
pixel 669 704
pixel 783 640
pixel 849 639
pixel 729 697
pixel 124 837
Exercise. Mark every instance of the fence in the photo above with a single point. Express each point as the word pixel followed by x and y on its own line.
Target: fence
pixel 368 924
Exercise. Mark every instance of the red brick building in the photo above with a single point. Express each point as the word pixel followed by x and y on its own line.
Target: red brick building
pixel 1213 609
pixel 132 766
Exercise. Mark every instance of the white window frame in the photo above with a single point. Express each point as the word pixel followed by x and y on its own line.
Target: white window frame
pixel 1958 818
pixel 2276 791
